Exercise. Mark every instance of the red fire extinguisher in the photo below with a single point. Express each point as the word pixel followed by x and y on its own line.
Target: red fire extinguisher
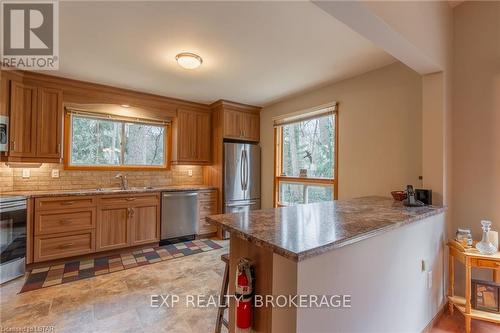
pixel 244 294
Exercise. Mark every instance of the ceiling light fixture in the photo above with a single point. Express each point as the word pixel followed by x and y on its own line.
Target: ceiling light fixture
pixel 125 106
pixel 188 60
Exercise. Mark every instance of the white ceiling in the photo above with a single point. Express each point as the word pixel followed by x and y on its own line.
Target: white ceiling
pixel 253 52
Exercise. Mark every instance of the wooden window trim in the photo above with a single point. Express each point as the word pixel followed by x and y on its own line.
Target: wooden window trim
pixel 278 166
pixel 67 154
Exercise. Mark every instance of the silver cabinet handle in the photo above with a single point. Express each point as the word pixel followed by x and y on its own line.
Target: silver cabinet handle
pixel 190 194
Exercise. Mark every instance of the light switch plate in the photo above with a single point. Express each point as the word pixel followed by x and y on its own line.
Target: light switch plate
pixel 190 173
pixel 429 279
pixel 55 173
pixel 26 173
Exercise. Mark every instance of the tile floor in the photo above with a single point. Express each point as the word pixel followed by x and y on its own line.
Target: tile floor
pixel 120 302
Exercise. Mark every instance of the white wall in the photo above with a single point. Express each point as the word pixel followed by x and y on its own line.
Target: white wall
pixel 384 277
pixel 380 128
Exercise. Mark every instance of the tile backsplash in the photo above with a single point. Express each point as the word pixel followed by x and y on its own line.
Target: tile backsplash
pixel 11 179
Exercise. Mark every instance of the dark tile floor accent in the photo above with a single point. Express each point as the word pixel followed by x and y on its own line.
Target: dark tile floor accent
pixel 83 269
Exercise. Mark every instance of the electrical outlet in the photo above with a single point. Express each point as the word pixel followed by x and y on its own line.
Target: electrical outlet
pixel 26 173
pixel 429 279
pixel 190 173
pixel 55 173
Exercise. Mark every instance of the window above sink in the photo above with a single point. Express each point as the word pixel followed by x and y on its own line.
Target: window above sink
pixel 109 142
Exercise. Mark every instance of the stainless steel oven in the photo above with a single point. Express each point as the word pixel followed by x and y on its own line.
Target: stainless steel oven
pixel 4 133
pixel 12 237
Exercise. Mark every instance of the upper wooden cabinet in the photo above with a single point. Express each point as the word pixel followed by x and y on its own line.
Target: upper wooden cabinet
pixel 23 120
pixel 49 125
pixel 240 122
pixel 191 137
pixel 35 122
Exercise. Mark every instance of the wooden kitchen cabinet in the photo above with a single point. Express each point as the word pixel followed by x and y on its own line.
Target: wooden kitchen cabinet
pixel 23 120
pixel 232 124
pixel 191 135
pixel 49 127
pixel 35 123
pixel 127 220
pixel 207 205
pixel 63 227
pixel 241 125
pixel 145 226
pixel 61 245
pixel 73 225
pixel 113 228
pixel 251 126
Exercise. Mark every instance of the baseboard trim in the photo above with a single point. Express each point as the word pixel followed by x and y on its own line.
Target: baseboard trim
pixel 434 320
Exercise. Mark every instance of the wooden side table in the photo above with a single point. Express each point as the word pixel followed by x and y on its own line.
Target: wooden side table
pixel 470 258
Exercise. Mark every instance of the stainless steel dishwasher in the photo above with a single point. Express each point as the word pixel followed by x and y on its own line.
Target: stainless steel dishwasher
pixel 179 216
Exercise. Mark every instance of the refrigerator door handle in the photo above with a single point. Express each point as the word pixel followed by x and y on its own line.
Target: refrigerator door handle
pixel 242 167
pixel 246 170
pixel 247 203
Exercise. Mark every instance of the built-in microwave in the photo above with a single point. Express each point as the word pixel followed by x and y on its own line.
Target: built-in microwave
pixel 4 133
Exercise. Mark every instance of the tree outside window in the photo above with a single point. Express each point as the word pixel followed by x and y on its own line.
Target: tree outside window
pixel 306 160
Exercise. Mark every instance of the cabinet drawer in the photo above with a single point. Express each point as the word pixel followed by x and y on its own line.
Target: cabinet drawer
pixel 64 245
pixel 207 196
pixel 208 206
pixel 205 227
pixel 70 220
pixel 64 202
pixel 488 263
pixel 128 199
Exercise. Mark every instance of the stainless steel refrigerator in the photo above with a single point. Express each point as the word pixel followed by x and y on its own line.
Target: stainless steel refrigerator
pixel 241 177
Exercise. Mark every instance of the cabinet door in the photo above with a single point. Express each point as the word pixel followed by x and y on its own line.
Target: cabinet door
pixel 203 138
pixel 144 224
pixel 50 115
pixel 251 126
pixel 112 228
pixel 186 132
pixel 23 120
pixel 232 124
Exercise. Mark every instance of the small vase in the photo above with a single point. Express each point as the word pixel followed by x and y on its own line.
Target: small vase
pixel 485 246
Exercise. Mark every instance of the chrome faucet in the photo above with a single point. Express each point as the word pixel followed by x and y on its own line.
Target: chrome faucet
pixel 123 180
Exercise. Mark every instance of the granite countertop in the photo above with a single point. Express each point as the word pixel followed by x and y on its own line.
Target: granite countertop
pixel 94 191
pixel 303 231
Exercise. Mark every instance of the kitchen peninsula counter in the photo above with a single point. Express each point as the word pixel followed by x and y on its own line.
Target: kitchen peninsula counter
pixel 302 231
pixel 377 251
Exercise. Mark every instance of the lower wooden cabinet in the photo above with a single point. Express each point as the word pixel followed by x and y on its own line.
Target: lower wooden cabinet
pixel 75 225
pixel 207 205
pixel 112 228
pixel 144 224
pixel 127 220
pixel 56 246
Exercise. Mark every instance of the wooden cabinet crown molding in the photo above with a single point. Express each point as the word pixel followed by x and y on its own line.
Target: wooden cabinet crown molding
pixel 235 106
pixel 77 91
